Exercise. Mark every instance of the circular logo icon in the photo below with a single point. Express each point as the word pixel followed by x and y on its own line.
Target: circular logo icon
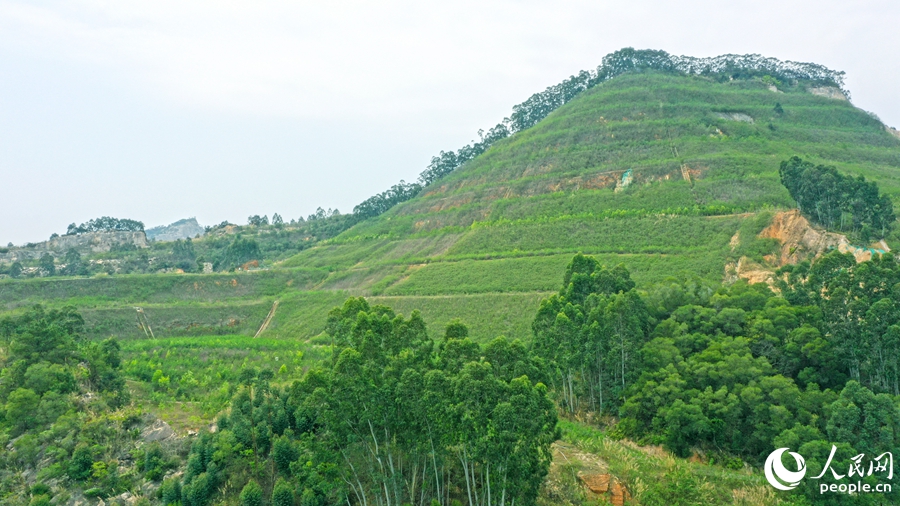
pixel 778 476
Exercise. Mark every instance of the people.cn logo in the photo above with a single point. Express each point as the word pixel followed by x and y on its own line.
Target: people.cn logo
pixel 779 476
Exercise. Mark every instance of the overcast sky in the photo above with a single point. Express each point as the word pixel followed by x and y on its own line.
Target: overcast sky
pixel 163 110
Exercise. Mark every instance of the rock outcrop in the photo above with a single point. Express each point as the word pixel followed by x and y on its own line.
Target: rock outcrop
pixel 91 242
pixel 181 229
pixel 799 240
pixel 828 92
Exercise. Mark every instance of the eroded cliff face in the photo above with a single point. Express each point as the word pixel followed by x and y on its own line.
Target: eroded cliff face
pixel 92 242
pixel 799 241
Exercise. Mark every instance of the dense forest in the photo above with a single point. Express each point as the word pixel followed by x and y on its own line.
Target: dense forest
pixel 737 371
pixel 392 420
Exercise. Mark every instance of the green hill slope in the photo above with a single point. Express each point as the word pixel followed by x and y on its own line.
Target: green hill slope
pixel 652 170
pixel 657 171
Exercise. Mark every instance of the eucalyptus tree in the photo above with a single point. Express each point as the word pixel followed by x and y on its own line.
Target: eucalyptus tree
pixel 590 333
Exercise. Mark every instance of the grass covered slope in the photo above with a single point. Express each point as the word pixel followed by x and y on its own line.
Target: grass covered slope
pixel 656 171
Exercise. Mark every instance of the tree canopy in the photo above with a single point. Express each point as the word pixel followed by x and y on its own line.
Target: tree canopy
pixel 838 201
pixel 106 224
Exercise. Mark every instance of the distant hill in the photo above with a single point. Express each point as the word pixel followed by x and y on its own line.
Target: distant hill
pixel 181 229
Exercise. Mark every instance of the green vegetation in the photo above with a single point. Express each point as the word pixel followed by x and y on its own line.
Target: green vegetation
pixel 385 419
pixel 664 169
pixel 106 224
pixel 831 198
pixel 65 407
pixel 738 372
pixel 702 151
pixel 201 374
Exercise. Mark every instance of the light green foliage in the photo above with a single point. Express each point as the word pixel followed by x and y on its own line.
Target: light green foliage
pixel 510 313
pixel 659 479
pixel 59 394
pixel 205 370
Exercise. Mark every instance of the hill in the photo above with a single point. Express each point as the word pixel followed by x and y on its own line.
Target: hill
pixel 671 174
pixel 655 171
pixel 669 168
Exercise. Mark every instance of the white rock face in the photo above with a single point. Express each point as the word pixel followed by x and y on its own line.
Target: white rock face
pixel 828 92
pixel 91 242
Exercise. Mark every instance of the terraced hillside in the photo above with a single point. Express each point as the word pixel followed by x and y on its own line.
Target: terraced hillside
pixel 653 170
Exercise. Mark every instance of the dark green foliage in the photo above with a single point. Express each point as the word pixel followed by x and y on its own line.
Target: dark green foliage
pixel 170 491
pixel 737 372
pixel 106 224
pixel 74 265
pixel 239 252
pixel 79 468
pixel 183 255
pixel 282 494
pixel 284 450
pixel 40 500
pixel 589 335
pixel 252 494
pixel 47 264
pixel 56 393
pixel 154 462
pixel 257 220
pixel 375 205
pixel 387 397
pixel 837 201
pixel 860 317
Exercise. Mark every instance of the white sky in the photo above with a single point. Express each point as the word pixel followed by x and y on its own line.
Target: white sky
pixel 163 110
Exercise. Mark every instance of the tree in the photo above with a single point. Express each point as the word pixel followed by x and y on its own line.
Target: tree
pixel 590 334
pixel 15 270
pixel 73 263
pixel 277 220
pixel 257 220
pixel 837 201
pixel 239 252
pixel 251 494
pixel 282 494
pixel 21 408
pixel 106 224
pixel 47 264
pixel 79 467
pixel 183 254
